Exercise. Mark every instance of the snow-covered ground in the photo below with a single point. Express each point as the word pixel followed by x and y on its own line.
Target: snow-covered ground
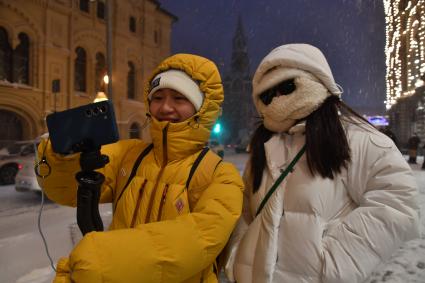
pixel 408 263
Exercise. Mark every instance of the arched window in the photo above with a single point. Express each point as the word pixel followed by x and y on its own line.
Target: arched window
pixel 80 70
pixel 5 56
pixel 84 6
pixel 132 24
pixel 100 72
pixel 135 131
pixel 100 10
pixel 14 64
pixel 21 60
pixel 131 81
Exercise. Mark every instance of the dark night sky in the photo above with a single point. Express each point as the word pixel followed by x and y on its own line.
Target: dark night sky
pixel 351 33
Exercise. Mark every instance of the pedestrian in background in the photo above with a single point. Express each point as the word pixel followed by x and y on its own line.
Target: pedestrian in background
pixel 327 196
pixel 423 162
pixel 412 146
pixel 164 229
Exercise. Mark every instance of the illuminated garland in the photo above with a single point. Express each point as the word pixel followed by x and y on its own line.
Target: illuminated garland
pixel 405 33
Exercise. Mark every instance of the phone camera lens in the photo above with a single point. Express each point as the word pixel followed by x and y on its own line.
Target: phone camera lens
pixel 102 109
pixel 96 111
pixel 88 113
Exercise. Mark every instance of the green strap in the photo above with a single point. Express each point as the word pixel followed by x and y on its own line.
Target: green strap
pixel 280 179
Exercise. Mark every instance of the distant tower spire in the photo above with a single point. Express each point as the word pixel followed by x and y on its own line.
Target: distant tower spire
pixel 240 61
pixel 238 109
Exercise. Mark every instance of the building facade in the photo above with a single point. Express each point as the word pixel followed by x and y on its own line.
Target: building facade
pixel 405 60
pixel 53 57
pixel 238 118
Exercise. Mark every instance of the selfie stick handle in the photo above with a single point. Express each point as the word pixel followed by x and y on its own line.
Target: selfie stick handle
pixel 88 194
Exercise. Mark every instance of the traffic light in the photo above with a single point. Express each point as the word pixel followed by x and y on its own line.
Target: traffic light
pixel 217 128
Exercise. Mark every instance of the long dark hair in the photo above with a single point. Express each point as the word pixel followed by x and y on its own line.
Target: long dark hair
pixel 327 146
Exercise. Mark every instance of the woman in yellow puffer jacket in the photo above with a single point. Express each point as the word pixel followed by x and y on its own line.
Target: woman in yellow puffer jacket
pixel 161 231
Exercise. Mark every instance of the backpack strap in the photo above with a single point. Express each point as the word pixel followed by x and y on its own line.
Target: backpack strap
pixel 196 164
pixel 209 161
pixel 134 170
pixel 201 174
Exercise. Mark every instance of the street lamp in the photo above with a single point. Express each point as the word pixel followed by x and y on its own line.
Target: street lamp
pixel 100 96
pixel 106 79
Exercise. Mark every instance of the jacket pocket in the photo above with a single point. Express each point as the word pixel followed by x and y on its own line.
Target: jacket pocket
pixel 339 216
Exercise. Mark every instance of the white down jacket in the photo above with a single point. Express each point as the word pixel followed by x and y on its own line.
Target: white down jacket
pixel 322 230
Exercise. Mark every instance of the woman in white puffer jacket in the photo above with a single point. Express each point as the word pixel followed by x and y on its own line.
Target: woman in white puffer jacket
pixel 346 205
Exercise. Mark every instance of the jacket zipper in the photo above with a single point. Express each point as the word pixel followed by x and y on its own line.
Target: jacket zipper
pixel 164 195
pixel 139 200
pixel 164 163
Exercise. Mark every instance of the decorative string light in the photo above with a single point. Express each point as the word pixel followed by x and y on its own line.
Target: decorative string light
pixel 404 48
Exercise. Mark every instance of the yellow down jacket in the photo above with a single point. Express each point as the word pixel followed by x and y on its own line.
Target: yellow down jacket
pixel 161 231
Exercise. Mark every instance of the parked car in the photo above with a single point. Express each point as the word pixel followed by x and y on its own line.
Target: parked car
pixel 25 179
pixel 9 159
pixel 242 146
pixel 215 146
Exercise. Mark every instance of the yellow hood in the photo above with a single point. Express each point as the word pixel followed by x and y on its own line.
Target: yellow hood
pixel 176 140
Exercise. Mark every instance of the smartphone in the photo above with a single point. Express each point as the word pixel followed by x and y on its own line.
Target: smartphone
pixel 83 127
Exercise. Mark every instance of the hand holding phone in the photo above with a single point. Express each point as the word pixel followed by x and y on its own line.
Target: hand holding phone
pixel 84 127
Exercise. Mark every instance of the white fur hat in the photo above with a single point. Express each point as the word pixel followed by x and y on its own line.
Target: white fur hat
pixel 178 81
pixel 293 56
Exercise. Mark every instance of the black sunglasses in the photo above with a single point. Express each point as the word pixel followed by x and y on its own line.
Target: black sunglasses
pixel 284 88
